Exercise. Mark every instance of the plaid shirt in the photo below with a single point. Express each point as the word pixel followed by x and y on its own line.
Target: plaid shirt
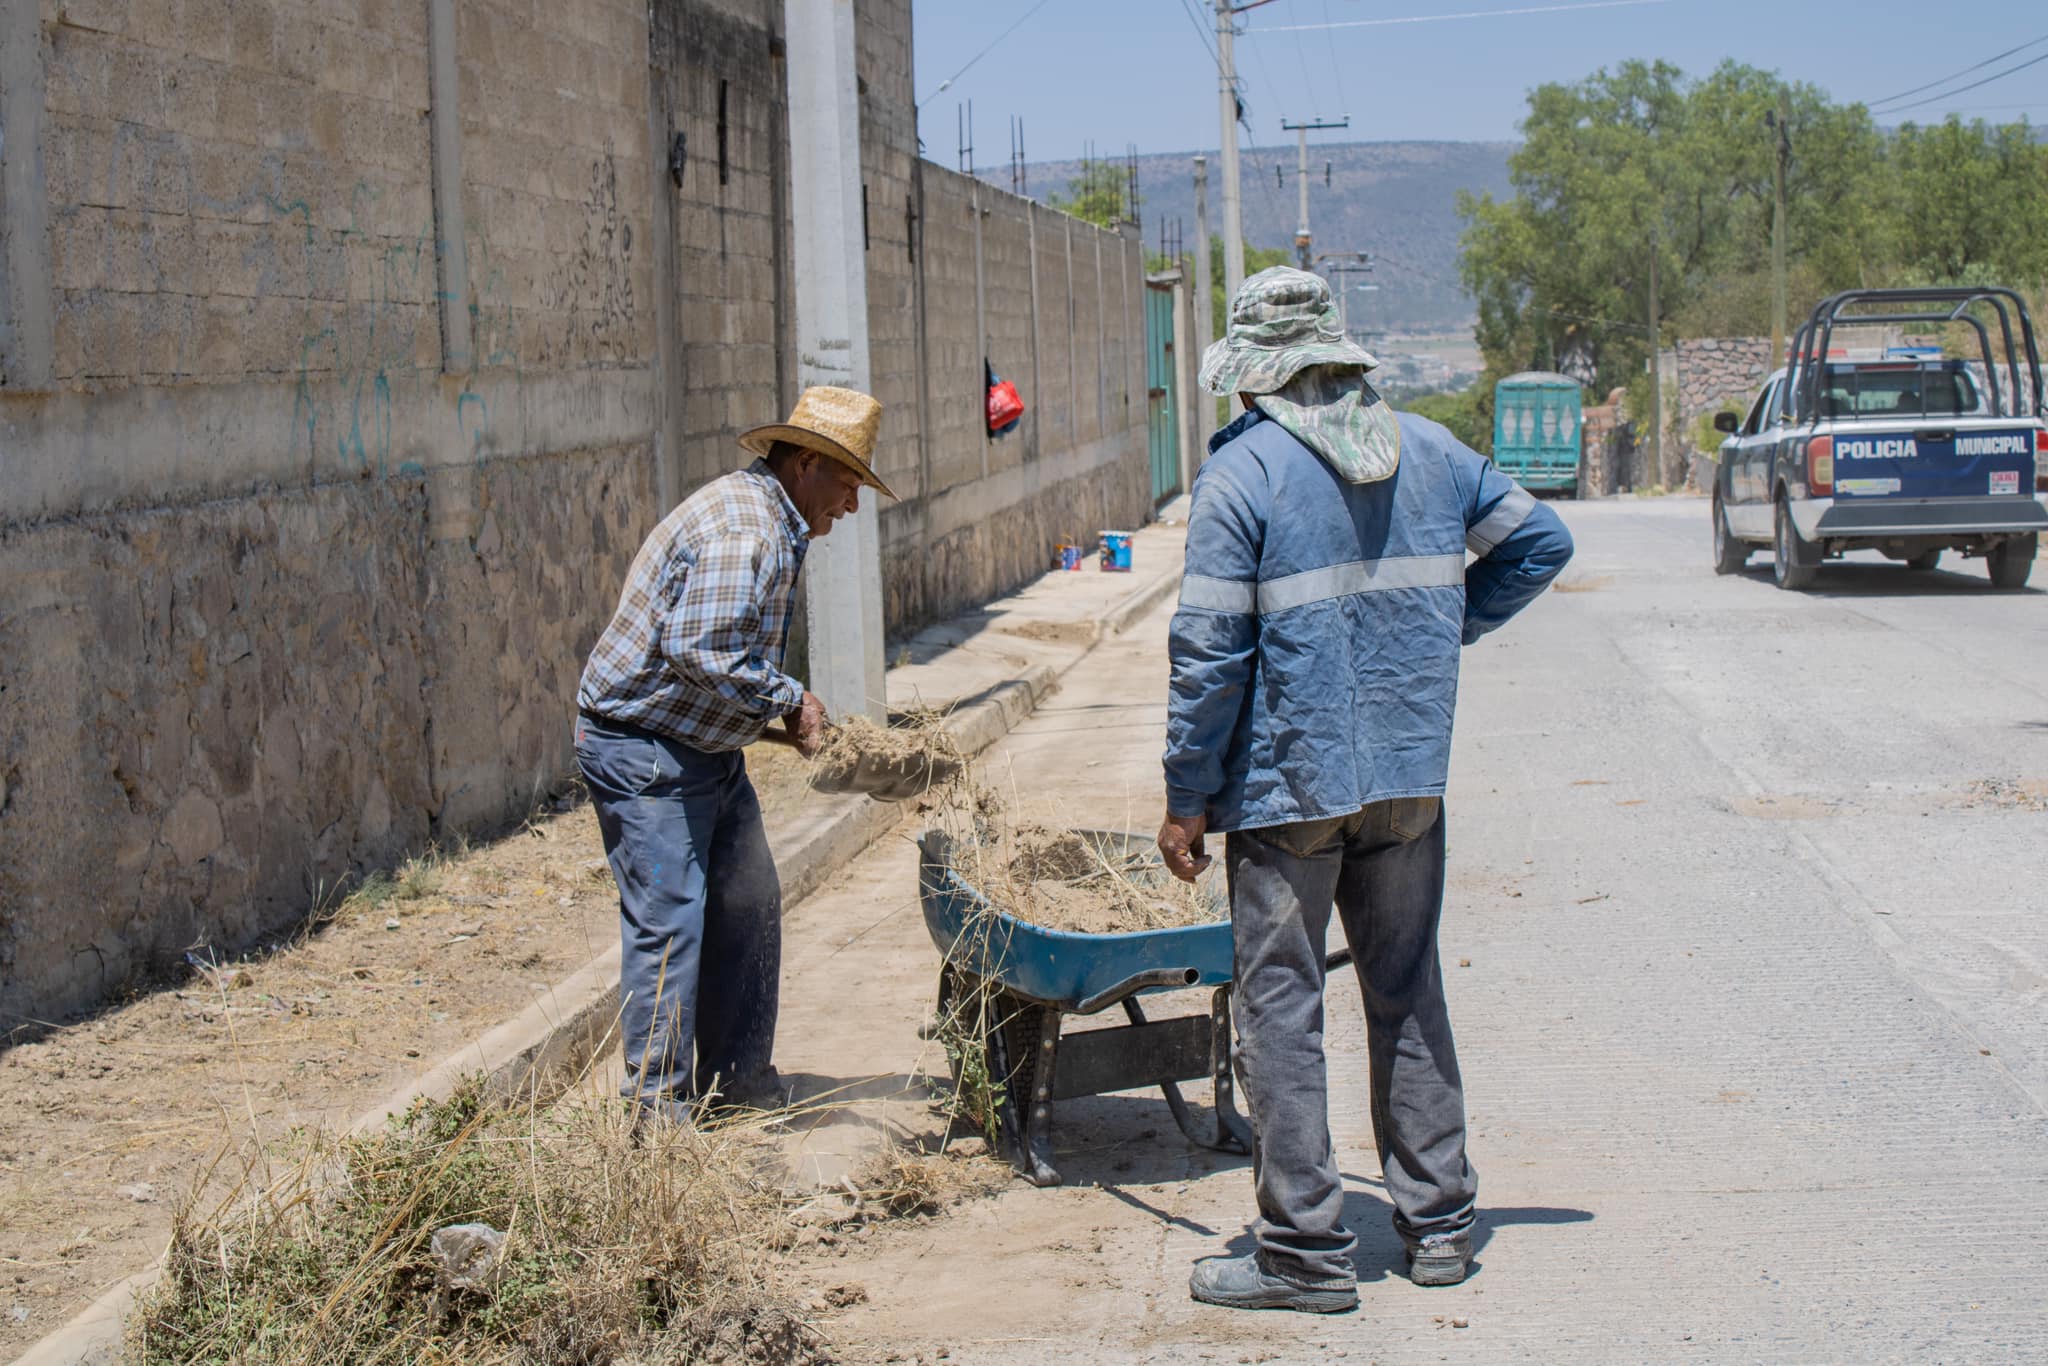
pixel 695 650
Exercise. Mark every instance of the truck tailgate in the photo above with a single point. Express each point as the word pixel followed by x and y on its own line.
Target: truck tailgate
pixel 1966 458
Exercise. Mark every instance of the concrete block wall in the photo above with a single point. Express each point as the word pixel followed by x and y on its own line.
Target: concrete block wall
pixel 291 584
pixel 285 601
pixel 892 181
pixel 1073 342
pixel 236 191
pixel 732 268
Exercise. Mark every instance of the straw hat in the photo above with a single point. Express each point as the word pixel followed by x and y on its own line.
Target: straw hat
pixel 840 423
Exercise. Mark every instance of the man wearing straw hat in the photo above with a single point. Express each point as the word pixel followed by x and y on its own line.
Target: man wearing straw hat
pixel 688 673
pixel 1314 672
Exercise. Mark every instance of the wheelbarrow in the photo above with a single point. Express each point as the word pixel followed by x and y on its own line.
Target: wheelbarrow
pixel 1030 978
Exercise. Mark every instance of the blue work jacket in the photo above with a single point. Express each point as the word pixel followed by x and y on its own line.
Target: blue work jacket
pixel 1315 650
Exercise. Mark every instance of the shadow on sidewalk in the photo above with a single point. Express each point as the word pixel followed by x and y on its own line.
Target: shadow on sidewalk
pixel 1130 1139
pixel 1380 1255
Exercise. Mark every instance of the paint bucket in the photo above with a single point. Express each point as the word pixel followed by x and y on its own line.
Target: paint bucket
pixel 1116 551
pixel 1067 556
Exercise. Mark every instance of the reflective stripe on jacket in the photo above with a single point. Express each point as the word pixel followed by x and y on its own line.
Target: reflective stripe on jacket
pixel 1315 651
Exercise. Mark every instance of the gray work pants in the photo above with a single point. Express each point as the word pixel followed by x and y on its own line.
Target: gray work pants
pixel 1383 868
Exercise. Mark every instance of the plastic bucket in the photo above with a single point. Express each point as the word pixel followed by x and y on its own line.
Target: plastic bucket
pixel 1116 551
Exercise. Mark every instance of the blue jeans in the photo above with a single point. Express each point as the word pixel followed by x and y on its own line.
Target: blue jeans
pixel 1383 868
pixel 700 911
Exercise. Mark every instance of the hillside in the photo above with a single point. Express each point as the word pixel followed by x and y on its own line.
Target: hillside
pixel 1397 200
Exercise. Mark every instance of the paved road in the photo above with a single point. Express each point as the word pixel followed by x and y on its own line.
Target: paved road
pixel 1749 968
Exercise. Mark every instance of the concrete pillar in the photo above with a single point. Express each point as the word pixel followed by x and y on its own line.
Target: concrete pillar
pixel 1031 414
pixel 1101 346
pixel 451 243
pixel 27 333
pixel 980 319
pixel 1073 388
pixel 1184 419
pixel 843 573
pixel 1205 407
pixel 668 337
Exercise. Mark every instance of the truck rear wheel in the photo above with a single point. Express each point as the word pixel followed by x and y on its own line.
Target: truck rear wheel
pixel 2012 560
pixel 1794 559
pixel 1731 552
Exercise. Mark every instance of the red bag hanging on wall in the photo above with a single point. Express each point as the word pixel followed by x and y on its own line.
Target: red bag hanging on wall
pixel 1005 406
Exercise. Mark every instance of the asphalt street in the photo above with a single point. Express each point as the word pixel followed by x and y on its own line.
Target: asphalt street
pixel 1747 961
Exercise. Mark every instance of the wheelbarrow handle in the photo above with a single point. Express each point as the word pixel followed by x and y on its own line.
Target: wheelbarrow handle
pixel 1341 958
pixel 1137 982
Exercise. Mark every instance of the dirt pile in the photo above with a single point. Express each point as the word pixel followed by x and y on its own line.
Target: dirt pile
pixel 892 763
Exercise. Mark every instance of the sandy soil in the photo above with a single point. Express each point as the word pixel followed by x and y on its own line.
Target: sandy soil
pixel 109 1121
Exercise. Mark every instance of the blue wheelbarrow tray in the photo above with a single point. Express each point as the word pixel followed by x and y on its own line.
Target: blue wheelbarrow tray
pixel 1037 976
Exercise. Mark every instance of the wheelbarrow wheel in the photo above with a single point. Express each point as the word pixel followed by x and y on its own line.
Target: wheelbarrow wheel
pixel 1029 1036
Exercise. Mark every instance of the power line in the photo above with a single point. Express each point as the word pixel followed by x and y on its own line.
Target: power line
pixel 1964 72
pixel 1336 67
pixel 993 45
pixel 1469 14
pixel 1259 56
pixel 1208 45
pixel 1308 82
pixel 1948 94
pixel 1269 187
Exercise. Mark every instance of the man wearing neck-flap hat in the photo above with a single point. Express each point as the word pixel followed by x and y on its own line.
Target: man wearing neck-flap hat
pixel 688 673
pixel 1314 673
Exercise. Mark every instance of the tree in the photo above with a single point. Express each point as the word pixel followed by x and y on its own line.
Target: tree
pixel 1096 195
pixel 1468 413
pixel 1610 171
pixel 1971 202
pixel 1641 163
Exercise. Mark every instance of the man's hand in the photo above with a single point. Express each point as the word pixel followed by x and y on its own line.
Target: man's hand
pixel 1180 840
pixel 807 725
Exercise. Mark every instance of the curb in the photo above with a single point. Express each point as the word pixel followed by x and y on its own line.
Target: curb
pixel 543 1048
pixel 1120 618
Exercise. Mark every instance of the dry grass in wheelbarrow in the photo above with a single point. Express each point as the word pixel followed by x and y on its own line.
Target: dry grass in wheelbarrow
pixel 603 1247
pixel 1063 879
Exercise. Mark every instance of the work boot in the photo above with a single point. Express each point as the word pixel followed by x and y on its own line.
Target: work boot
pixel 653 1114
pixel 1440 1259
pixel 1244 1283
pixel 762 1097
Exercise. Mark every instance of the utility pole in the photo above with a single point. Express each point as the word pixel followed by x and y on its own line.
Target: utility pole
pixel 1656 371
pixel 1779 123
pixel 1301 233
pixel 844 583
pixel 1226 99
pixel 1205 410
pixel 1348 263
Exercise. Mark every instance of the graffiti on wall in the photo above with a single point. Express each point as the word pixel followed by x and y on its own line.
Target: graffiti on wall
pixel 595 294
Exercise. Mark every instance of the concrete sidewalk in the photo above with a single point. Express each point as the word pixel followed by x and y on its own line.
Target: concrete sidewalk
pixel 986 670
pixel 1714 1116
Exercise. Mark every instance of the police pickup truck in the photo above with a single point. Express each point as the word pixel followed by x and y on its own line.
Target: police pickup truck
pixel 1901 450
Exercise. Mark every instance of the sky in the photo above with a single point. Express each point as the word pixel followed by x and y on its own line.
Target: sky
pixel 1121 72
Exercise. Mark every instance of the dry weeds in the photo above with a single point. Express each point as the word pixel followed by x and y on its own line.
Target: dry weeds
pixel 669 1244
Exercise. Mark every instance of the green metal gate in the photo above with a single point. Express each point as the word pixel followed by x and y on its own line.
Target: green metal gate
pixel 1164 394
pixel 1537 430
